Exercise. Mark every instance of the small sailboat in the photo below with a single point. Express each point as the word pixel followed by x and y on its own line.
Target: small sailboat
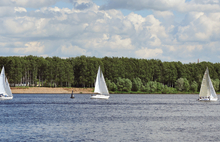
pixel 5 91
pixel 101 89
pixel 207 91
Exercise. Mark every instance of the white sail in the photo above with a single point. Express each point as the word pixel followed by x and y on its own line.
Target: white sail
pixel 4 86
pixel 97 82
pixel 204 90
pixel 100 87
pixel 207 91
pixel 212 89
pixel 7 88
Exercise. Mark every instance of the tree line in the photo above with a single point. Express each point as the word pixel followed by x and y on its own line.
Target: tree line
pixel 81 72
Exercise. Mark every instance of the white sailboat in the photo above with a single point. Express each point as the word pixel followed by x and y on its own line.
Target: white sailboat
pixel 101 89
pixel 5 91
pixel 207 91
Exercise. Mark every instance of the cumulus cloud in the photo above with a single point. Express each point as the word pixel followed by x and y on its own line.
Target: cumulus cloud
pixel 142 4
pixel 91 30
pixel 7 11
pixel 83 4
pixel 163 14
pixel 72 50
pixel 206 1
pixel 148 53
pixel 200 27
pixel 31 48
pixel 28 3
pixel 164 5
pixel 20 9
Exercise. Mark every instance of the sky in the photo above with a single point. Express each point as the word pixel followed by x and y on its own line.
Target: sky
pixel 168 30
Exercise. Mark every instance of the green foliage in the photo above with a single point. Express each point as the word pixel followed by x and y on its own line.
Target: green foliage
pixel 124 84
pixel 120 84
pixel 179 84
pixel 136 84
pixel 152 85
pixel 108 84
pixel 111 85
pixel 166 90
pixel 194 86
pixel 21 87
pixel 186 85
pixel 127 85
pixel 182 84
pixel 146 75
pixel 160 86
pixel 169 90
pixel 143 88
pixel 215 84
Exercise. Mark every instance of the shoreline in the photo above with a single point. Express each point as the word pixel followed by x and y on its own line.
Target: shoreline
pixel 50 90
pixel 61 90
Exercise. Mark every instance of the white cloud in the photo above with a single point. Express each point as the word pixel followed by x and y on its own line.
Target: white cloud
pixel 27 3
pixel 154 26
pixel 164 5
pixel 200 27
pixel 6 11
pixel 32 3
pixel 148 53
pixel 113 43
pixel 72 50
pixel 143 4
pixel 205 1
pixel 18 25
pixel 155 41
pixel 20 9
pixel 137 21
pixel 87 30
pixel 32 48
pixel 163 14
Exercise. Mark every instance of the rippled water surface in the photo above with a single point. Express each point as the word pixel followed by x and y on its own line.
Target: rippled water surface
pixel 56 117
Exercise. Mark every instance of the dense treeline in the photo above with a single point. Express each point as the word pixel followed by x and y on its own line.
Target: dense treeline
pixel 81 72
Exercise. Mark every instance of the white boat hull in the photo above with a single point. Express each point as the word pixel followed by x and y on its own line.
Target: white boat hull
pixel 99 97
pixel 5 98
pixel 208 99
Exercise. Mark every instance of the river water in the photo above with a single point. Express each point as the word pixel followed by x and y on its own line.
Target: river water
pixel 121 118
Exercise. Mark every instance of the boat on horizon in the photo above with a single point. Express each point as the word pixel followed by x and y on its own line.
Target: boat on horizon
pixel 207 91
pixel 101 90
pixel 5 91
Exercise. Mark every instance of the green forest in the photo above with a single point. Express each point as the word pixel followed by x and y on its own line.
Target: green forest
pixel 121 74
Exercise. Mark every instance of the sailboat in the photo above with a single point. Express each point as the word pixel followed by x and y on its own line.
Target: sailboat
pixel 101 90
pixel 5 91
pixel 207 91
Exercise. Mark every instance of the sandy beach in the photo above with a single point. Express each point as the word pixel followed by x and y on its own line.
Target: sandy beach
pixel 48 90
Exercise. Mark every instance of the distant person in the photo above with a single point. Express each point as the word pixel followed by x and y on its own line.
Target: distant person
pixel 72 96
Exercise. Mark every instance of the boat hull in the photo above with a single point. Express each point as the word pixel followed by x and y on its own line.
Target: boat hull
pixel 208 99
pixel 99 97
pixel 5 98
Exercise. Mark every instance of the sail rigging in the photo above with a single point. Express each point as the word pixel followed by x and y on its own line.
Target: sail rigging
pixel 207 90
pixel 4 85
pixel 100 85
pixel 101 89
